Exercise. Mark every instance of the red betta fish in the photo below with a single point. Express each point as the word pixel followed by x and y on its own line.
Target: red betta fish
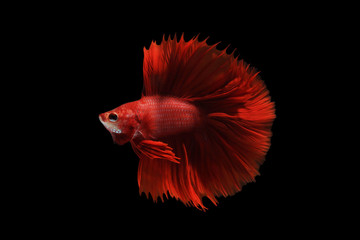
pixel 202 127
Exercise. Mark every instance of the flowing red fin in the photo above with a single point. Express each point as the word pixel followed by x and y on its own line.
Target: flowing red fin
pixel 185 69
pixel 165 179
pixel 156 150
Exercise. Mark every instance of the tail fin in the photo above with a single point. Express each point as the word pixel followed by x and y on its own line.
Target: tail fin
pixel 226 153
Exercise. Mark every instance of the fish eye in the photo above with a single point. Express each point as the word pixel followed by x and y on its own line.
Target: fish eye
pixel 113 117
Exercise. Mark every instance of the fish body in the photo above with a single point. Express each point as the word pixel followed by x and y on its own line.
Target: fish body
pixel 152 118
pixel 202 126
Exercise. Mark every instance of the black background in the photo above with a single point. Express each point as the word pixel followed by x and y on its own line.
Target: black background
pixel 109 73
pixel 96 65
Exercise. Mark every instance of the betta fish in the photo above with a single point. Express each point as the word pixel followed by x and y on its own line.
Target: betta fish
pixel 202 126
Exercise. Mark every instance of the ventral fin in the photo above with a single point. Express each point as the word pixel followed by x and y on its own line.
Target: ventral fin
pixel 156 150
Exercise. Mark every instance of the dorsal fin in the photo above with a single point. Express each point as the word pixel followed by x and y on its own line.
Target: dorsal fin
pixel 186 69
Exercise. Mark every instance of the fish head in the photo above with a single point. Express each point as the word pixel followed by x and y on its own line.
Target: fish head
pixel 121 124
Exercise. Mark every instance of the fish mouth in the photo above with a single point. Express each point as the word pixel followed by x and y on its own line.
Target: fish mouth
pixel 101 118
